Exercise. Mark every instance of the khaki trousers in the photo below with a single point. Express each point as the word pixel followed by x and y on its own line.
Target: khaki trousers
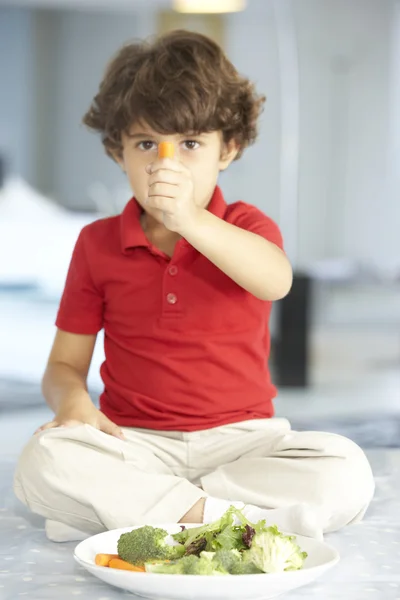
pixel 94 482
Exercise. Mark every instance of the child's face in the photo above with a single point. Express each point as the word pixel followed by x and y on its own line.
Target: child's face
pixel 204 155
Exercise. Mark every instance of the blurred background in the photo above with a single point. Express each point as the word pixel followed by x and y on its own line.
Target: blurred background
pixel 326 168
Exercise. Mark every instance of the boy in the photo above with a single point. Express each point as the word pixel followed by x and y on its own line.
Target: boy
pixel 182 284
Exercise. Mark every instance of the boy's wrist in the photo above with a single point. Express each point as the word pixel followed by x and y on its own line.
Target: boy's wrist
pixel 193 228
pixel 77 400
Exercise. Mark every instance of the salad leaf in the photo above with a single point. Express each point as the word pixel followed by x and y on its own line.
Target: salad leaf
pixel 232 545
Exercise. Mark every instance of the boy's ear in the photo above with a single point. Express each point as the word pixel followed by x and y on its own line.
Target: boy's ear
pixel 119 159
pixel 229 152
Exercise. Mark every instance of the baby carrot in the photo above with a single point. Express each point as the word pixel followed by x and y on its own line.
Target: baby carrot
pixel 118 563
pixel 166 150
pixel 103 560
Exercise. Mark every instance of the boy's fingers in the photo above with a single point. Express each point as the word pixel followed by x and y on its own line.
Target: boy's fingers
pixel 166 190
pixel 108 427
pixel 115 431
pixel 56 424
pixel 165 176
pixel 168 164
pixel 112 429
pixel 71 423
pixel 49 425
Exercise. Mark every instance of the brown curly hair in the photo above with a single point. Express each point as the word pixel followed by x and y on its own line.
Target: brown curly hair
pixel 181 83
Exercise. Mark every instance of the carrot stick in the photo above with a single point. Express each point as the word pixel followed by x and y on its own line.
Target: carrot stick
pixel 166 150
pixel 103 560
pixel 118 563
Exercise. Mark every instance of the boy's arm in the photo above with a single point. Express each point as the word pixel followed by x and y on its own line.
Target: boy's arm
pixel 64 385
pixel 64 381
pixel 254 263
pixel 79 319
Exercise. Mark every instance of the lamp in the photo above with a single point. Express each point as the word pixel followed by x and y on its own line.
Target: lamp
pixel 208 6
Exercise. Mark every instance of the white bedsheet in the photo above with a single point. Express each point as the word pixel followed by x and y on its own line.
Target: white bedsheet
pixel 370 568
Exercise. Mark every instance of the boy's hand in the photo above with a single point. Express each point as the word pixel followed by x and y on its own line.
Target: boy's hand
pixel 171 190
pixel 75 417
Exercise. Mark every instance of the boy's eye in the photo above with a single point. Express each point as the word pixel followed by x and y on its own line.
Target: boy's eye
pixel 191 144
pixel 146 145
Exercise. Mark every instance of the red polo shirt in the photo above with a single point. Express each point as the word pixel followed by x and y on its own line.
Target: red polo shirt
pixel 186 348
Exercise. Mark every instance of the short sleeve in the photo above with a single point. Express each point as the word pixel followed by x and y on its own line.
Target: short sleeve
pixel 81 306
pixel 252 219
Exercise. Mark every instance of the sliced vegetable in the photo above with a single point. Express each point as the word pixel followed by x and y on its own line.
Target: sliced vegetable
pixel 118 563
pixel 103 560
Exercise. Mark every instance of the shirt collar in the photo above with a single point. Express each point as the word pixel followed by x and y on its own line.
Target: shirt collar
pixel 132 234
pixel 217 204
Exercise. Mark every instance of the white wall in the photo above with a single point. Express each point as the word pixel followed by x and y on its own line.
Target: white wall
pixel 390 241
pixel 347 208
pixel 344 95
pixel 16 86
pixel 87 42
pixel 251 44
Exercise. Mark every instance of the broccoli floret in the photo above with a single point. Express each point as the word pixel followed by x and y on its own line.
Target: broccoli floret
pixel 222 562
pixel 208 555
pixel 188 565
pixel 147 544
pixel 226 560
pixel 274 552
pixel 245 568
pixel 230 562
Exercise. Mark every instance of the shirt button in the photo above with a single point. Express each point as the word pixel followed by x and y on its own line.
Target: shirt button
pixel 172 299
pixel 173 270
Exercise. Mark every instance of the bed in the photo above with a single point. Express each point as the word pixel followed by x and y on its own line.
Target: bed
pixel 370 568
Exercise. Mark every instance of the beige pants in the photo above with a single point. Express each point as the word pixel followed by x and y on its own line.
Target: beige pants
pixel 93 482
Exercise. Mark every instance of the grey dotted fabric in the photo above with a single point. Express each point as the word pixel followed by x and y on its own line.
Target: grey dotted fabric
pixel 381 431
pixel 31 566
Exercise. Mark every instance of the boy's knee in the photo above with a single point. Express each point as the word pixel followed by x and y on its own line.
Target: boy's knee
pixel 31 466
pixel 348 484
pixel 355 473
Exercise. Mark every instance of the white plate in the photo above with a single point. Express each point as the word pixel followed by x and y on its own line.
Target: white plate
pixel 193 587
